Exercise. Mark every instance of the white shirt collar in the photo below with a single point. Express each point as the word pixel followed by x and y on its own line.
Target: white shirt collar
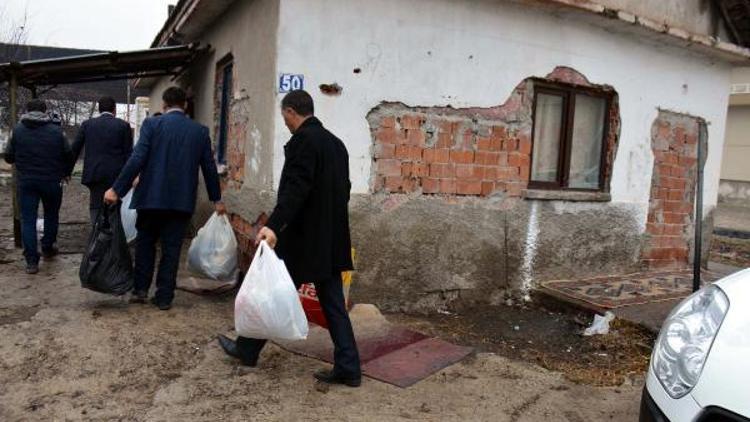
pixel 106 112
pixel 171 110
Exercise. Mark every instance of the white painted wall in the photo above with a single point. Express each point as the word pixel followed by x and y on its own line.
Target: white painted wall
pixel 442 52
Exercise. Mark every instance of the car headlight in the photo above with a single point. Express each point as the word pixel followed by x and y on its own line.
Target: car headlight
pixel 686 338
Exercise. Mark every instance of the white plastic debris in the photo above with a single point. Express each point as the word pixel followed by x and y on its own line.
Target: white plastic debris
pixel 600 324
pixel 40 225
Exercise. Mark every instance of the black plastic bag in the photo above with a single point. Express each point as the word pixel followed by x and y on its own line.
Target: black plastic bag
pixel 106 266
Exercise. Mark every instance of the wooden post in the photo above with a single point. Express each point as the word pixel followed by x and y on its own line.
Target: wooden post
pixel 14 179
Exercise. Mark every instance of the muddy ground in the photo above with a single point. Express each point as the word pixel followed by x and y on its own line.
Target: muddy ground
pixel 71 354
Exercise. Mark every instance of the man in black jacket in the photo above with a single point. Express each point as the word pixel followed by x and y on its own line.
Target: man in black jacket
pixel 108 143
pixel 311 224
pixel 42 155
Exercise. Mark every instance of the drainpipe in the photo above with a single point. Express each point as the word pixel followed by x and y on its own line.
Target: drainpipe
pixel 699 211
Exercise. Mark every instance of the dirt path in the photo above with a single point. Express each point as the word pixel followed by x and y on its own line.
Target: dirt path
pixel 71 354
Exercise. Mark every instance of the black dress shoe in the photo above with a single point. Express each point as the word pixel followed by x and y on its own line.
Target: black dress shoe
pixel 230 348
pixel 138 297
pixel 164 306
pixel 32 268
pixel 50 253
pixel 330 377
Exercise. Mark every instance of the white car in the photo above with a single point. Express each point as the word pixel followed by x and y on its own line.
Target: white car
pixel 700 368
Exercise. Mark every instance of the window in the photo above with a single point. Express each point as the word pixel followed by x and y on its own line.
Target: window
pixel 570 125
pixel 224 76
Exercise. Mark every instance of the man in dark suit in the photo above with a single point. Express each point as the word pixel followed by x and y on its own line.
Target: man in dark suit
pixel 168 155
pixel 108 143
pixel 41 154
pixel 311 224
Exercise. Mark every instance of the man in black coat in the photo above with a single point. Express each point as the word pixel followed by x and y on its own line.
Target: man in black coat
pixel 108 143
pixel 309 228
pixel 42 155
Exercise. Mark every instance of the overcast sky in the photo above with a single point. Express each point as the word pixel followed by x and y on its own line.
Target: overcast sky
pixel 89 24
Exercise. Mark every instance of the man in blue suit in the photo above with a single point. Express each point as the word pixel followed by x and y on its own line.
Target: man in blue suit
pixel 108 143
pixel 167 156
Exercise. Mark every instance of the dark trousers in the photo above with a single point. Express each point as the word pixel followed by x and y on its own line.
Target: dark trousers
pixel 96 198
pixel 345 355
pixel 30 193
pixel 168 228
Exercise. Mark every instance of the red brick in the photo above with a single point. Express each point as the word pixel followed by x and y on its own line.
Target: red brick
pixel 515 189
pixel 442 170
pixel 406 169
pixel 507 173
pixel 488 188
pixel 673 229
pixel 468 187
pixel 678 206
pixel 674 218
pixel 416 137
pixel 411 121
pixel 387 135
pixel 524 145
pixel 445 140
pixel 691 139
pixel 389 167
pixel 430 185
pixel 679 171
pixel 428 155
pixel 664 170
pixel 385 150
pixel 448 186
pixel 462 157
pixel 662 157
pixel 487 158
pixel 524 173
pixel 484 144
pixel 378 184
pixel 654 229
pixel 496 144
pixel 409 185
pixel 510 144
pixel 443 156
pixel 464 171
pixel 388 122
pixel 490 173
pixel 670 242
pixel 675 195
pixel 516 159
pixel 688 162
pixel 420 170
pixel 503 159
pixel 499 133
pixel 467 139
pixel 393 183
pixel 415 153
pixel 402 152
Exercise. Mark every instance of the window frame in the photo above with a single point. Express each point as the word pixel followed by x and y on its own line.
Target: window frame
pixel 224 67
pixel 568 93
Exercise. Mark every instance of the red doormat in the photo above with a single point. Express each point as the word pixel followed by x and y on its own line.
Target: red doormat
pixel 389 353
pixel 633 289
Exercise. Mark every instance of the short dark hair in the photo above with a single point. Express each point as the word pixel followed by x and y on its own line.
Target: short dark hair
pixel 299 101
pixel 107 104
pixel 174 96
pixel 36 105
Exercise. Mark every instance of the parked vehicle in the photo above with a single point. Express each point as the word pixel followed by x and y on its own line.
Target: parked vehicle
pixel 699 369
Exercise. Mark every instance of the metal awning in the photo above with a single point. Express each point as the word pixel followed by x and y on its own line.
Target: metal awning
pixel 100 66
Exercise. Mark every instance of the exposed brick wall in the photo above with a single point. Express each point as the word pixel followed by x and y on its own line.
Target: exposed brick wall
pixel 237 118
pixel 670 218
pixel 475 151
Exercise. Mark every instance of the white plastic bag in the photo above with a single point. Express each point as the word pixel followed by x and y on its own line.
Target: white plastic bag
pixel 600 325
pixel 128 217
pixel 213 252
pixel 268 304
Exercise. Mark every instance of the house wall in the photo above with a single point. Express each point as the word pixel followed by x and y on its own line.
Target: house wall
pixel 420 250
pixel 735 174
pixel 247 31
pixel 697 16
